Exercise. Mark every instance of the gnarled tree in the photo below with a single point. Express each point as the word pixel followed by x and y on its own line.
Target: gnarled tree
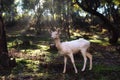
pixel 91 7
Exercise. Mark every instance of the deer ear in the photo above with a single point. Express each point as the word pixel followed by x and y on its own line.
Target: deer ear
pixel 58 30
pixel 50 31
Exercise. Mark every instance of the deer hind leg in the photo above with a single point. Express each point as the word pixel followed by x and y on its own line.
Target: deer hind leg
pixel 85 59
pixel 72 60
pixel 65 61
pixel 90 57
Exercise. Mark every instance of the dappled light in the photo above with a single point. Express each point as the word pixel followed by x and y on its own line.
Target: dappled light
pixel 28 51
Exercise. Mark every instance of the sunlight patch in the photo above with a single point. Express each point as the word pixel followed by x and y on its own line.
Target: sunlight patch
pixel 96 41
pixel 43 47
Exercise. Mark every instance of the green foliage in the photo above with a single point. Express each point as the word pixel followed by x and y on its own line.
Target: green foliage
pixel 101 68
pixel 117 2
pixel 7 5
pixel 9 10
pixel 29 4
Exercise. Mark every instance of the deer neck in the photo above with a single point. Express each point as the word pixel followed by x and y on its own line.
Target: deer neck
pixel 58 43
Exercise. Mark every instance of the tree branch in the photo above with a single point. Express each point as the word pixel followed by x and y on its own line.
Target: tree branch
pixel 108 25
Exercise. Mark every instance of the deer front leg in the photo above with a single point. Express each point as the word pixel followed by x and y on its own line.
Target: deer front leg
pixel 72 60
pixel 85 59
pixel 65 61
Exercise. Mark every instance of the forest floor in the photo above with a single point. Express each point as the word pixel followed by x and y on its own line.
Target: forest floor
pixel 37 61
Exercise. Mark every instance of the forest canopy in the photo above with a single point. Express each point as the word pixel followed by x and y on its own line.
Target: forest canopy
pixel 67 14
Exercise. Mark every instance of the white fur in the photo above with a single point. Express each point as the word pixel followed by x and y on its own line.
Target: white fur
pixel 71 47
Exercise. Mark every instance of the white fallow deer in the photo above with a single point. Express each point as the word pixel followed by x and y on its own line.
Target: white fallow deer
pixel 69 48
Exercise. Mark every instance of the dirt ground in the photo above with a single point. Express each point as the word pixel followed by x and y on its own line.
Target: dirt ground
pixel 106 66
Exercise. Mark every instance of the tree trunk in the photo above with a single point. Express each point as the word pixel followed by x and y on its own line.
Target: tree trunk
pixel 3 43
pixel 4 58
pixel 5 61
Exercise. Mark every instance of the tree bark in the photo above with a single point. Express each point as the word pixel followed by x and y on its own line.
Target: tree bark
pixel 3 42
pixel 5 61
pixel 114 33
